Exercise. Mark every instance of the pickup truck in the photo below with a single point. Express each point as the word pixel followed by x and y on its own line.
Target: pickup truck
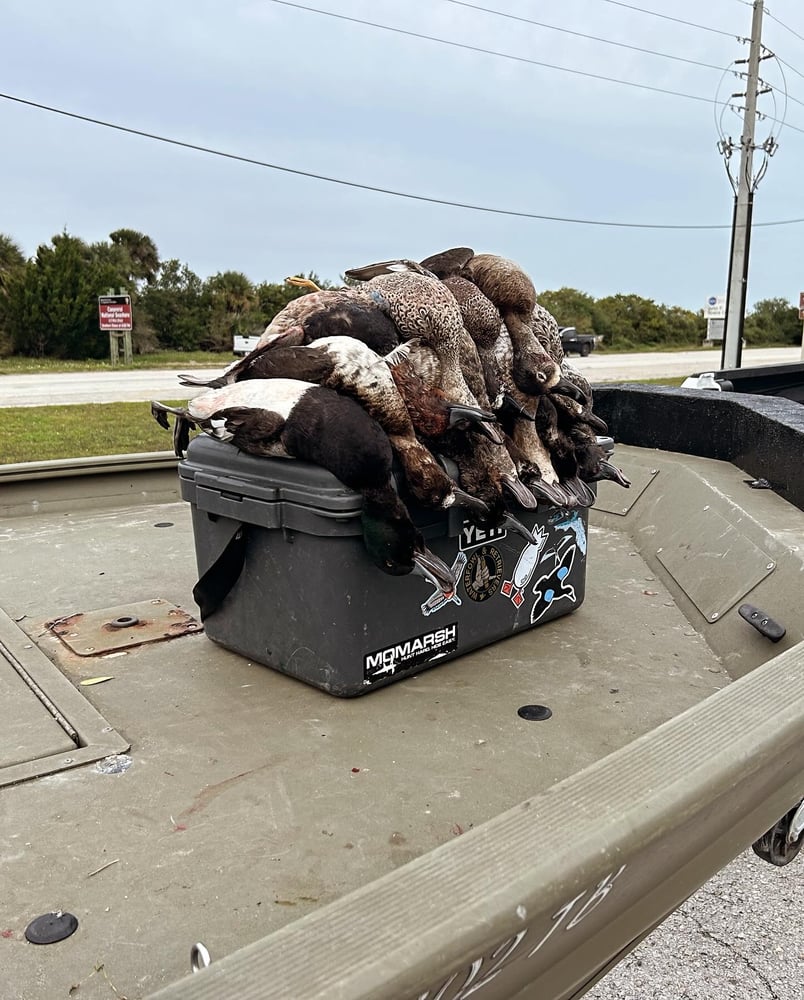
pixel 422 842
pixel 577 343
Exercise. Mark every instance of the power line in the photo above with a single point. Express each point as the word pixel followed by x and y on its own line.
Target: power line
pixel 492 52
pixel 667 17
pixel 513 58
pixel 785 26
pixel 581 34
pixel 370 187
pixel 788 65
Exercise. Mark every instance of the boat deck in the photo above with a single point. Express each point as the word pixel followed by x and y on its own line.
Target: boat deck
pixel 252 799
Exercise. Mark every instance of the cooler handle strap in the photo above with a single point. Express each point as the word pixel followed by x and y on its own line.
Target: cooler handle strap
pixel 213 586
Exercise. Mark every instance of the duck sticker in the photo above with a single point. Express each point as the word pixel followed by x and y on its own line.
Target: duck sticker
pixel 514 589
pixel 437 600
pixel 574 523
pixel 554 586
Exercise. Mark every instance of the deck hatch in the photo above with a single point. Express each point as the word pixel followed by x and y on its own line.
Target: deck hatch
pixel 713 562
pixel 612 498
pixel 48 725
pixel 93 633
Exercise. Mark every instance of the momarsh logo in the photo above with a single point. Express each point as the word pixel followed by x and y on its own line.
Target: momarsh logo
pixel 410 653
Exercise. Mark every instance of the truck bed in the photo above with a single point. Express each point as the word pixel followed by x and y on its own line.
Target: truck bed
pixel 254 812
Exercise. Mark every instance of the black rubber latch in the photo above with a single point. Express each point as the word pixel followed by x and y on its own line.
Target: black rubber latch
pixel 211 590
pixel 51 927
pixel 762 622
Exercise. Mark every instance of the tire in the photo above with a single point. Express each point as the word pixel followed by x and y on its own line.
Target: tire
pixel 584 350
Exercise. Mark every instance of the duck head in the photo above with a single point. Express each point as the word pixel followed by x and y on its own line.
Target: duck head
pixel 396 546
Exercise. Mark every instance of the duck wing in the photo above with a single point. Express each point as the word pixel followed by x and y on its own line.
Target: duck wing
pixel 385 267
pixel 448 262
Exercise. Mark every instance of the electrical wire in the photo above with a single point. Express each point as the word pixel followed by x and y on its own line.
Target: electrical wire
pixel 491 52
pixel 581 34
pixel 785 26
pixel 788 65
pixel 667 17
pixel 370 187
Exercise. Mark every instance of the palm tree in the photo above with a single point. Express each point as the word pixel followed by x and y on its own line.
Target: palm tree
pixel 143 256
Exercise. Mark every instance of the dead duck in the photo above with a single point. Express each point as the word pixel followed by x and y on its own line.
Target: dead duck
pixel 486 470
pixel 421 307
pixel 512 292
pixel 287 418
pixel 351 367
pixel 332 312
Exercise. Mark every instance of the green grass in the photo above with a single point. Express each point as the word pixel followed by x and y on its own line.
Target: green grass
pixel 41 433
pixel 17 365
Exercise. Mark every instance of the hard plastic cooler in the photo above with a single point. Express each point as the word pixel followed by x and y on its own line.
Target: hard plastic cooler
pixel 309 602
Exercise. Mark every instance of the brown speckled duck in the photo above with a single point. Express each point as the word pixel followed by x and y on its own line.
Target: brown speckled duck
pixel 421 307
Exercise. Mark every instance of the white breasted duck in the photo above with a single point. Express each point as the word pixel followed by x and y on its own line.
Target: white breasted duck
pixel 349 366
pixel 287 418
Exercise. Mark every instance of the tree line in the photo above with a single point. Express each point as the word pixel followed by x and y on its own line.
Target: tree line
pixel 48 304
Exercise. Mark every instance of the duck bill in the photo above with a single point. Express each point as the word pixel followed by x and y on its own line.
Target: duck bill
pixel 609 471
pixel 434 570
pixel 463 416
pixel 514 524
pixel 553 493
pixel 583 494
pixel 516 409
pixel 566 388
pixel 520 492
pixel 464 499
pixel 598 425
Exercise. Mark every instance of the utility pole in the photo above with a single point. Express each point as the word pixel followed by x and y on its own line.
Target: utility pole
pixel 743 206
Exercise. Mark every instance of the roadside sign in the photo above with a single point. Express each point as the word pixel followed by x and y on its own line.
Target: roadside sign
pixel 715 307
pixel 801 305
pixel 114 312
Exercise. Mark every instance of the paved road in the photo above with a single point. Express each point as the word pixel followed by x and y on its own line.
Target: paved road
pixel 628 367
pixel 108 387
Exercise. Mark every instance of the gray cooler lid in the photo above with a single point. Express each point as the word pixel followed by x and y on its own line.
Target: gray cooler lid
pixel 220 466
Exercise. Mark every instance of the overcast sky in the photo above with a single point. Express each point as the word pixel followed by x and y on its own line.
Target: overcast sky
pixel 306 91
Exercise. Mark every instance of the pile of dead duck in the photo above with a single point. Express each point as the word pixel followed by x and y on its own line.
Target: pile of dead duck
pixel 451 357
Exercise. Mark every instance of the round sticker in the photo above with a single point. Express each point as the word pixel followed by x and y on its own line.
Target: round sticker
pixel 483 572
